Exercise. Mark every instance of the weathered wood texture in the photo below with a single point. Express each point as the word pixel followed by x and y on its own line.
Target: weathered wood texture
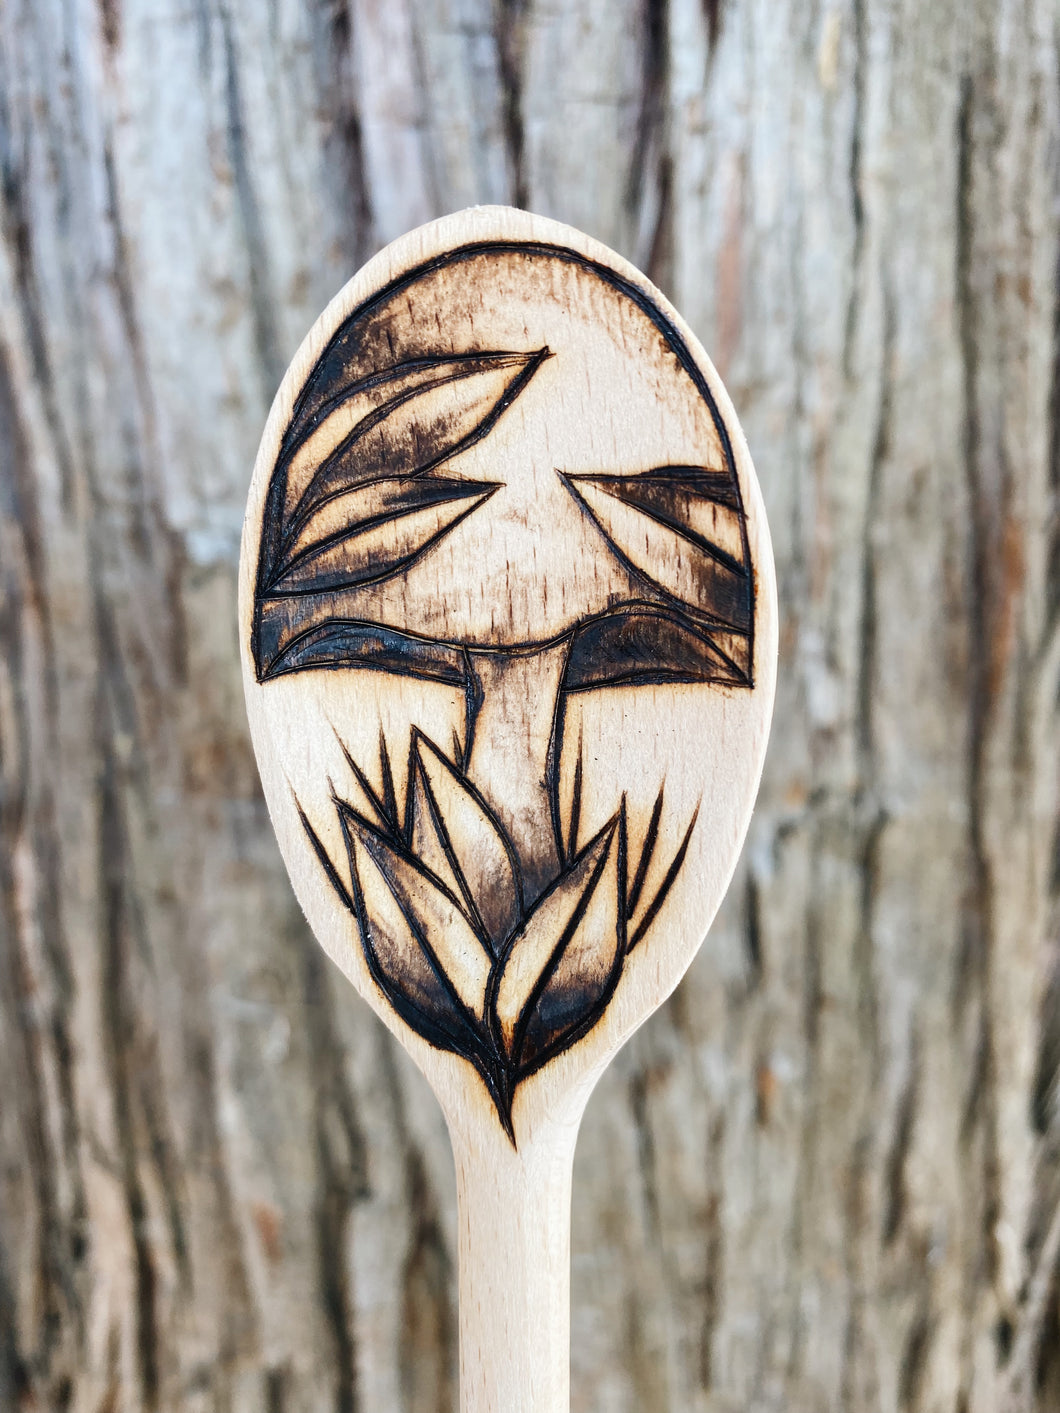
pixel 827 1176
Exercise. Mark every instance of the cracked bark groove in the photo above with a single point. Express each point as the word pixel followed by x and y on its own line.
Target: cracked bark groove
pixel 827 1174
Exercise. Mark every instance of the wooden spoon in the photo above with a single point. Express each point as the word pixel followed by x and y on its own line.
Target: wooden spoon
pixel 508 630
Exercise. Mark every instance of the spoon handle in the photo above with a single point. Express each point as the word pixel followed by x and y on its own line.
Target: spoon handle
pixel 514 1222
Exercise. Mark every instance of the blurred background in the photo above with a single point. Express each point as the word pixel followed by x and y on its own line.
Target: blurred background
pixel 827 1175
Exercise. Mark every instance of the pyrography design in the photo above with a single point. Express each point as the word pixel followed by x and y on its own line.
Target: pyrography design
pixel 499 943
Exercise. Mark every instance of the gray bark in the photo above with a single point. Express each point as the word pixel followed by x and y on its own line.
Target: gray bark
pixel 827 1176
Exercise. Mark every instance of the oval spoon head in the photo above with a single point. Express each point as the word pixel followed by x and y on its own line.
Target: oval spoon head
pixel 508 631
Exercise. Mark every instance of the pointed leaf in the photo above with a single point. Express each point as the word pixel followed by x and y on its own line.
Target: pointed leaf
pixel 715 483
pixel 383 801
pixel 686 502
pixel 421 425
pixel 346 642
pixel 431 913
pixel 387 776
pixel 479 853
pixel 687 568
pixel 394 947
pixel 402 968
pixel 351 414
pixel 574 822
pixel 586 972
pixel 363 508
pixel 647 850
pixel 426 834
pixel 561 961
pixel 364 551
pixel 644 919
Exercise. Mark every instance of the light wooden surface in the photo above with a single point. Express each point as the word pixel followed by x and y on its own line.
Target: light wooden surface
pixel 824 1174
pixel 508 624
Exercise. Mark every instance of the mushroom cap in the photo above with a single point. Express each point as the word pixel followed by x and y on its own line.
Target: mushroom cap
pixel 501 447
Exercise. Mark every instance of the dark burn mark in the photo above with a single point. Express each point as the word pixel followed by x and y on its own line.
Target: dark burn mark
pixel 668 882
pixel 361 357
pixel 671 498
pixel 360 493
pixel 326 565
pixel 337 642
pixel 647 851
pixel 576 805
pixel 571 987
pixel 556 1016
pixel 637 646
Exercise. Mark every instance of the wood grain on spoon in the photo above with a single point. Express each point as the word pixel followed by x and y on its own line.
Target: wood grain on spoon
pixel 508 625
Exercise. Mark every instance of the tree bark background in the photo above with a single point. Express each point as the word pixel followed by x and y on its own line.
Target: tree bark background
pixel 827 1176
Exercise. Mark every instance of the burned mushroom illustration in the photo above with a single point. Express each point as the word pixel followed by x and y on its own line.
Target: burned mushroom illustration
pixel 430 517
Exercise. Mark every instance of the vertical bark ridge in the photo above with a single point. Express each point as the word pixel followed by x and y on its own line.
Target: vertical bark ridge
pixel 36 991
pixel 259 275
pixel 118 1029
pixel 18 239
pixel 343 146
pixel 428 1342
pixel 856 177
pixel 510 26
pixel 980 1109
pixel 341 1175
pixel 429 1327
pixel 647 196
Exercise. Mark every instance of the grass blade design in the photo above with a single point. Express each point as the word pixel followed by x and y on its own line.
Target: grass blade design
pixel 433 916
pixel 477 850
pixel 562 961
pixel 534 952
pixel 438 904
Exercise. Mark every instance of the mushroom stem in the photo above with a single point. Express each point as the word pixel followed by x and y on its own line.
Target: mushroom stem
pixel 511 732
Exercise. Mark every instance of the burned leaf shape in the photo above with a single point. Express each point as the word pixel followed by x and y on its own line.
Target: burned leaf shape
pixel 352 413
pixel 641 921
pixel 436 892
pixel 696 502
pixel 449 818
pixel 682 532
pixel 383 801
pixel 339 642
pixel 646 643
pixel 427 836
pixel 373 531
pixel 409 975
pixel 432 914
pixel 371 448
pixel 561 965
pixel 647 851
